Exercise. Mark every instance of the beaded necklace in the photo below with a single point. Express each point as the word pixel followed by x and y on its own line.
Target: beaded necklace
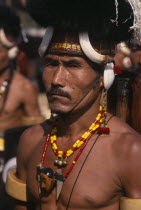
pixel 46 177
pixel 4 87
pixel 63 155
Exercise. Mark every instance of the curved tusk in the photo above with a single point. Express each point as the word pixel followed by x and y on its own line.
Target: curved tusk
pixel 46 41
pixel 123 48
pixel 89 50
pixel 4 40
pixel 13 52
pixel 109 75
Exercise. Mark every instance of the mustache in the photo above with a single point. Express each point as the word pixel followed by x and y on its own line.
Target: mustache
pixel 58 91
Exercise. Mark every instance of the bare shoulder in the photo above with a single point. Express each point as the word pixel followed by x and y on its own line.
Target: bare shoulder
pixel 125 141
pixel 122 134
pixel 126 155
pixel 30 138
pixel 23 82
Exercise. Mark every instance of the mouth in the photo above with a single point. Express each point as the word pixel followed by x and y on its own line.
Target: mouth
pixel 58 94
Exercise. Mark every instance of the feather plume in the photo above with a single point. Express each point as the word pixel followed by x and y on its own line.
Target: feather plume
pixel 9 21
pixel 105 19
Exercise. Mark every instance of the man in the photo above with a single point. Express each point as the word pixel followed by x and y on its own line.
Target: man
pixel 69 162
pixel 18 96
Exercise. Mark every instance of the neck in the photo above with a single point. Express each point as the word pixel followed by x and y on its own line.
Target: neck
pixel 78 122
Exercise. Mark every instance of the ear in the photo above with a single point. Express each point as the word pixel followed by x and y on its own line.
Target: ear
pixel 101 81
pixel 98 81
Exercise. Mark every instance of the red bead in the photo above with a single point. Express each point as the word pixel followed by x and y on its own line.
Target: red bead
pixel 73 148
pixel 100 112
pixel 64 154
pixel 117 70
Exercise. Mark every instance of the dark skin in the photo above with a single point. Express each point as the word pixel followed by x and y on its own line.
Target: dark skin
pixel 112 168
pixel 136 57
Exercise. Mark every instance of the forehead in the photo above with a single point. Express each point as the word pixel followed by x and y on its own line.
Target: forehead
pixel 65 58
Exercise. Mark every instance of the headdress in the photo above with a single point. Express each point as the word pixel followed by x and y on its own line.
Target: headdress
pixel 99 26
pixel 9 30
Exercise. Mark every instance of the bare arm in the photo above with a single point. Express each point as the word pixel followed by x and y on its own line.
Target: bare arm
pixel 30 100
pixel 130 166
pixel 28 142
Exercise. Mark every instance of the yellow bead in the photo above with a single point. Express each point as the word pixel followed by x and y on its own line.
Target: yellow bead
pixel 69 152
pixel 93 124
pixel 75 145
pixel 83 136
pixel 97 126
pixel 55 137
pixel 59 156
pixel 80 144
pixel 51 141
pixel 88 134
pixel 55 146
pixel 77 141
pixel 60 152
pixel 73 162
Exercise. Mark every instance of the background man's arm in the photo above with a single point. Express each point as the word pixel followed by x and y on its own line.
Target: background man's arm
pixel 30 100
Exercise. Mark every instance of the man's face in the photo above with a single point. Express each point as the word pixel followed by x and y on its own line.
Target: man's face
pixel 4 60
pixel 71 83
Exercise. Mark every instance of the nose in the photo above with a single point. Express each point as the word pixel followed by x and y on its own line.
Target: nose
pixel 59 77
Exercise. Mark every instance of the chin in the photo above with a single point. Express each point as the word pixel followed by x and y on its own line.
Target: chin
pixel 59 110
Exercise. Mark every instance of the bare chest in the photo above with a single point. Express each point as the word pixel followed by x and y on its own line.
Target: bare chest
pixel 91 183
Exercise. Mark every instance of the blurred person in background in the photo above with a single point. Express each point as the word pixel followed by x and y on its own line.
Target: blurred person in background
pixel 18 96
pixel 136 88
pixel 119 95
pixel 124 97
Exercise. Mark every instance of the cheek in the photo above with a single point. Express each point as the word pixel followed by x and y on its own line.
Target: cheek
pixel 82 87
pixel 46 77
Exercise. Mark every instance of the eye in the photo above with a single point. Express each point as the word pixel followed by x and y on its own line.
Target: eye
pixel 73 65
pixel 50 63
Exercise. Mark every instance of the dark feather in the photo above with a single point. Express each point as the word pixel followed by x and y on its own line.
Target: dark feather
pixel 84 15
pixel 9 21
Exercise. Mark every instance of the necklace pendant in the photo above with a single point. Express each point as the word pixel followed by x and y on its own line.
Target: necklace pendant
pixel 46 181
pixel 60 162
pixel 59 184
